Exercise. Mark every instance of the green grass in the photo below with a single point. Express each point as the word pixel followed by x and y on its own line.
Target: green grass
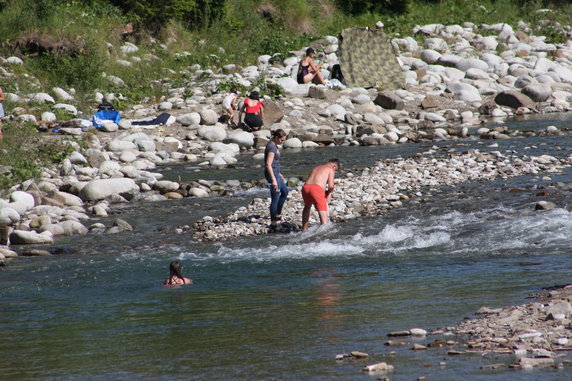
pixel 27 151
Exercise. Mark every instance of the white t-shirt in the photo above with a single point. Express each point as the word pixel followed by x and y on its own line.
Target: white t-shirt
pixel 228 100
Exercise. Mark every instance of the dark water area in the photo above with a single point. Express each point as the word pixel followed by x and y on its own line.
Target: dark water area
pixel 283 306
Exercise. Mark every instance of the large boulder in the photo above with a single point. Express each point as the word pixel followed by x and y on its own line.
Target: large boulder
pixel 64 228
pixel 464 92
pixel 513 99
pixel 209 117
pixel 240 137
pixel 537 92
pixel 212 133
pixel 102 188
pixel 8 216
pixel 22 237
pixel 272 113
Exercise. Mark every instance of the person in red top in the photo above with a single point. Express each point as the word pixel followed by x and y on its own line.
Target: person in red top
pixel 176 275
pixel 253 110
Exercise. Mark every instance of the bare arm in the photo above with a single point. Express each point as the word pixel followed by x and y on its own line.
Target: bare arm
pixel 315 68
pixel 330 183
pixel 1 94
pixel 241 112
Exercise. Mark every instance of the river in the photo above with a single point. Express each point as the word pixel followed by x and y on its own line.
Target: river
pixel 282 306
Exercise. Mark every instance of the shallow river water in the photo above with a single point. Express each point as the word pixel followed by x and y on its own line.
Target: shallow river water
pixel 283 306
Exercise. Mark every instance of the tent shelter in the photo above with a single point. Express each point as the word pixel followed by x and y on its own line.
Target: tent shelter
pixel 367 60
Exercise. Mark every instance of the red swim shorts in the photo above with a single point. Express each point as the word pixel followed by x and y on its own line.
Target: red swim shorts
pixel 314 194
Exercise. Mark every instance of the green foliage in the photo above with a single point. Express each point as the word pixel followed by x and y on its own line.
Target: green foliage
pixel 225 86
pixel 26 151
pixel 82 71
pixel 357 7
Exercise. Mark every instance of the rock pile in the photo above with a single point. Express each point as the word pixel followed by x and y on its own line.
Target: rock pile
pixel 382 187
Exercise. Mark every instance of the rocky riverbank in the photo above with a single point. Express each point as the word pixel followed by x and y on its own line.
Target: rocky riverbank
pixel 459 77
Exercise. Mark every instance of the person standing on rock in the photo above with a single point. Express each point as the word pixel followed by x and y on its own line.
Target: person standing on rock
pixel 229 105
pixel 253 110
pixel 308 70
pixel 276 182
pixel 176 275
pixel 317 191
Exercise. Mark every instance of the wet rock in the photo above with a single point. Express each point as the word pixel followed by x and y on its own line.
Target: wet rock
pixel 102 188
pixel 544 205
pixel 380 367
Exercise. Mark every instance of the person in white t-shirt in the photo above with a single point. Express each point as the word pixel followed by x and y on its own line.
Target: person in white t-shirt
pixel 229 105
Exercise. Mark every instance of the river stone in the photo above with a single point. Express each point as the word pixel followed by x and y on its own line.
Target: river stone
pixel 513 99
pixel 212 133
pixel 537 92
pixel 464 92
pixel 337 111
pixel 48 116
pixel 563 73
pixel 380 367
pixel 272 113
pixel 198 192
pixel 118 145
pixel 209 117
pixel 544 205
pixel 389 100
pixel 23 198
pixel 99 189
pixel 127 156
pixel 375 139
pixel 471 63
pixel 109 167
pixel 65 228
pixel 165 186
pixel 189 119
pixel 240 137
pixel 8 216
pixel 293 143
pixel 66 198
pixel 430 56
pixel 77 158
pixel 22 237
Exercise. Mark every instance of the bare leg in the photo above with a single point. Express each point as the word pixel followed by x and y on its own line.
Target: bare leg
pixel 306 216
pixel 323 217
pixel 319 78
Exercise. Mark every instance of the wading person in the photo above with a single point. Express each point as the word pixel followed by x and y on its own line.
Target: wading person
pixel 176 275
pixel 276 183
pixel 317 191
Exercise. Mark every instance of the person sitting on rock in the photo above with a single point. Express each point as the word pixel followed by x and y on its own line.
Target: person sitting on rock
pixel 308 70
pixel 253 109
pixel 176 275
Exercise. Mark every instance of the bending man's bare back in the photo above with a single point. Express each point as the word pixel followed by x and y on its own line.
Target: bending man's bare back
pixel 318 190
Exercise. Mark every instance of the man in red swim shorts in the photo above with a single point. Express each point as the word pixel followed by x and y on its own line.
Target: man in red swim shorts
pixel 318 190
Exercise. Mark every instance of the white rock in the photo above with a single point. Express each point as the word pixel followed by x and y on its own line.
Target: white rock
pixel 48 117
pixel 212 133
pixel 8 216
pixel 65 228
pixel 242 138
pixel 101 188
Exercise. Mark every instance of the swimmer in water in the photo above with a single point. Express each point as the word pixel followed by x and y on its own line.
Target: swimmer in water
pixel 176 275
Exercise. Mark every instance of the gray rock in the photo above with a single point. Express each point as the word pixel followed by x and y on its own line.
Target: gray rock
pixel 208 117
pixel 537 92
pixel 65 228
pixel 102 188
pixel 22 237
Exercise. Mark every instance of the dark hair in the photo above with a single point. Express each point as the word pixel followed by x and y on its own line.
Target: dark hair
pixel 335 161
pixel 310 51
pixel 175 269
pixel 279 133
pixel 233 90
pixel 254 95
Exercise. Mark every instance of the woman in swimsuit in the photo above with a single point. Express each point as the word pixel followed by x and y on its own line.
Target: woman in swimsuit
pixel 176 275
pixel 308 70
pixel 253 110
